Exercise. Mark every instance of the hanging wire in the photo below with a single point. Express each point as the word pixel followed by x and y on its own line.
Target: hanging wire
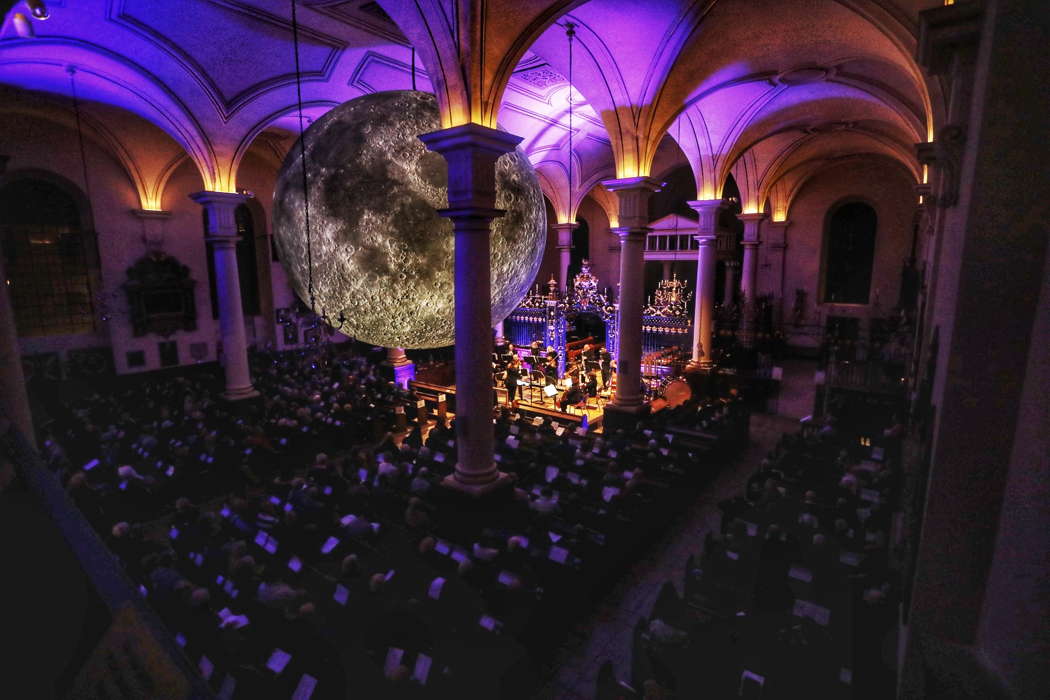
pixel 413 68
pixel 80 131
pixel 678 141
pixel 302 158
pixel 72 70
pixel 570 32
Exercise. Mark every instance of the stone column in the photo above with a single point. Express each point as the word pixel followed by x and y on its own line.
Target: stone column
pixel 707 255
pixel 749 274
pixel 404 369
pixel 471 151
pixel 633 194
pixel 979 607
pixel 774 250
pixel 564 253
pixel 222 234
pixel 729 293
pixel 14 402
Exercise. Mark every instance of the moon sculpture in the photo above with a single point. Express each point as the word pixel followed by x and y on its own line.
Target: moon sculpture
pixel 381 254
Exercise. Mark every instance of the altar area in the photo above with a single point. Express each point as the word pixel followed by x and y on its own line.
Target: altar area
pixel 546 319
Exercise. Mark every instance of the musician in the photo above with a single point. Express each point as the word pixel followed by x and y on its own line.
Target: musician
pixel 573 395
pixel 605 363
pixel 507 353
pixel 550 370
pixel 591 386
pixel 575 374
pixel 512 377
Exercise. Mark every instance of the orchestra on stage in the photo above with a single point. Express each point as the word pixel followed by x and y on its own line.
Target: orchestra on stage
pixel 531 374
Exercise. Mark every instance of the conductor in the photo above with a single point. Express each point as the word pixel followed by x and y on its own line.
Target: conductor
pixel 511 380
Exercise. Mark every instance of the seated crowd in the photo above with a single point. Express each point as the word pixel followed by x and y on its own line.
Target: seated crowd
pixel 301 545
pixel 793 596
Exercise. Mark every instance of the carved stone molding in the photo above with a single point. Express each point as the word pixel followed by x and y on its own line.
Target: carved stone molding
pixel 944 156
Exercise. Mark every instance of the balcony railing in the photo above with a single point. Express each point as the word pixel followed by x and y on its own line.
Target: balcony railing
pixel 683 241
pixel 669 241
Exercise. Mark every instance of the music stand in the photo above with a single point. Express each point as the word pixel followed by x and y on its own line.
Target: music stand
pixel 537 380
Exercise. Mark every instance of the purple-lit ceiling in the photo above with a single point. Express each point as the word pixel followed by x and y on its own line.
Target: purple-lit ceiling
pixel 770 91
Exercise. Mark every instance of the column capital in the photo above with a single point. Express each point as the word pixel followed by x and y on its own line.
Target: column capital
pixel 152 226
pixel 565 234
pixel 220 207
pixel 944 156
pixel 751 223
pixel 633 195
pixel 208 198
pixel 708 209
pixel 699 205
pixel 623 184
pixel 471 151
pixel 149 214
pixel 625 233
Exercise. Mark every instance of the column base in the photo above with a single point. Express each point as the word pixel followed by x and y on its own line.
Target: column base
pixel 498 484
pixel 400 372
pixel 618 416
pixel 240 393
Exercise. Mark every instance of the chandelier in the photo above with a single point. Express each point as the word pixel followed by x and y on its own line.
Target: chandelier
pixel 671 299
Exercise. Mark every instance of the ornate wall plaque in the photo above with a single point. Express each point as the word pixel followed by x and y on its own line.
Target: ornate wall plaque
pixel 160 296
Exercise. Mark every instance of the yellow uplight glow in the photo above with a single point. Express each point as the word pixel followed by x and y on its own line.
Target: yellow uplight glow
pixel 626 170
pixel 151 202
pixel 925 174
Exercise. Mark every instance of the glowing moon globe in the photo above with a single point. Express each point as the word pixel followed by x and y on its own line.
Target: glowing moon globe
pixel 381 254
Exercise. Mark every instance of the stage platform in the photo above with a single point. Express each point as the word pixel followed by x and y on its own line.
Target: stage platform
pixel 439 402
pixel 595 413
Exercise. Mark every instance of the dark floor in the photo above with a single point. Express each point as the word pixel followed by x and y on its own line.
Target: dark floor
pixel 609 632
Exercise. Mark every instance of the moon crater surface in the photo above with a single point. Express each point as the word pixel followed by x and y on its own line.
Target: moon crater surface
pixel 381 254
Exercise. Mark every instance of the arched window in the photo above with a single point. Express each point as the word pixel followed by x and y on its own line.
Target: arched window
pixel 849 254
pixel 46 259
pixel 246 264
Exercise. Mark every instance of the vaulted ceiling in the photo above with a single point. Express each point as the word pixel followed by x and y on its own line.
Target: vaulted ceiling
pixel 769 91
